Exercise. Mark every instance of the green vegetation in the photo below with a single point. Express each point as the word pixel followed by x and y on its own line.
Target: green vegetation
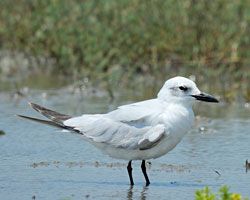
pixel 223 194
pixel 2 132
pixel 132 41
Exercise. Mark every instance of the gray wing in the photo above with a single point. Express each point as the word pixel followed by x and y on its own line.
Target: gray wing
pixel 137 114
pixel 100 129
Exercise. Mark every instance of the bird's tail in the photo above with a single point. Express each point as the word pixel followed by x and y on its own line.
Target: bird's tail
pixel 50 114
pixel 47 122
pixel 55 119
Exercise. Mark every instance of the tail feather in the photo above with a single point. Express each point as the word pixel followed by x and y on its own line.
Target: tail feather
pixel 55 119
pixel 50 123
pixel 47 122
pixel 50 114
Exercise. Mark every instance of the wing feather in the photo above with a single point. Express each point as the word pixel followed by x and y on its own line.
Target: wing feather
pixel 129 126
pixel 137 114
pixel 152 137
pixel 118 134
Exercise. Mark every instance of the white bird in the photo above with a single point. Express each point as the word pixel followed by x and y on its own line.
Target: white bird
pixel 138 131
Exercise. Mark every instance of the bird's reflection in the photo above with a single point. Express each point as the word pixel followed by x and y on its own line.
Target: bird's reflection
pixel 247 166
pixel 130 193
pixel 143 194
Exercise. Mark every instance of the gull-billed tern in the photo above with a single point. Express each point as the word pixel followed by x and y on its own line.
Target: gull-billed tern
pixel 138 131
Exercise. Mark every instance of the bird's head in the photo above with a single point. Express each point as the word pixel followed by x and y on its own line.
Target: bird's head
pixel 183 90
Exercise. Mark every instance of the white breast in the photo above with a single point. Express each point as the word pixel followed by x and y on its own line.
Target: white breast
pixel 177 120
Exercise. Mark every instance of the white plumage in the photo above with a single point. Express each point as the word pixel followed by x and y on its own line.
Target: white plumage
pixel 138 131
pixel 145 130
pixel 142 130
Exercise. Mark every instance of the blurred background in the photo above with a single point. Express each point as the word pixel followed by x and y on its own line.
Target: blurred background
pixel 90 56
pixel 126 45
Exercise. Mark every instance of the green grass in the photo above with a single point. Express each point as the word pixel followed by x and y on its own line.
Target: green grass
pixel 223 194
pixel 130 41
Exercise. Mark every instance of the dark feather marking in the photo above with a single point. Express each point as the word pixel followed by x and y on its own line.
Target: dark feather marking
pixel 50 123
pixel 146 144
pixel 50 114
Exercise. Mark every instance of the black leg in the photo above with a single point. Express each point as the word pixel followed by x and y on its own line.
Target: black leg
pixel 129 168
pixel 144 171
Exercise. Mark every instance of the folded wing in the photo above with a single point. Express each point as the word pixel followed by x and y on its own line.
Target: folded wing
pixel 137 114
pixel 100 129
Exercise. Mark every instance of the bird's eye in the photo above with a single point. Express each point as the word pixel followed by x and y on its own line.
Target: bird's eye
pixel 183 88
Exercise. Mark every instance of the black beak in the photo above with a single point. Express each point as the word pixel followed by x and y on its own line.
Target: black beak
pixel 205 97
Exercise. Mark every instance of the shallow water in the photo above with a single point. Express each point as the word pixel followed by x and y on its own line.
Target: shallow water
pixel 41 162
